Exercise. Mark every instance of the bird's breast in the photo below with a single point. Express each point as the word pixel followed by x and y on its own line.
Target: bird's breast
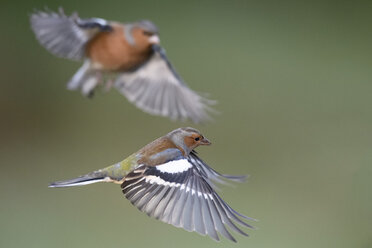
pixel 110 51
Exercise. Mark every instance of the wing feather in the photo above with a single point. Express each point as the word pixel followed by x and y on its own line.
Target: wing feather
pixel 210 174
pixel 188 210
pixel 65 36
pixel 162 92
pixel 207 217
pixel 160 209
pixel 182 197
pixel 198 215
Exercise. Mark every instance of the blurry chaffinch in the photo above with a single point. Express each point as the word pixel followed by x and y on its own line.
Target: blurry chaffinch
pixel 167 180
pixel 145 75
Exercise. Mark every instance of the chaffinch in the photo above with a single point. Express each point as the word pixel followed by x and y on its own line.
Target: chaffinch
pixel 168 181
pixel 144 75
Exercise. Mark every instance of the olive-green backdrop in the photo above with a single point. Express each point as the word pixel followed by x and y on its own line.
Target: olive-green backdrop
pixel 294 84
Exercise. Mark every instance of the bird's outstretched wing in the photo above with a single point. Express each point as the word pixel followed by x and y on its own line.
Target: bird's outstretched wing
pixel 210 174
pixel 156 88
pixel 177 193
pixel 65 36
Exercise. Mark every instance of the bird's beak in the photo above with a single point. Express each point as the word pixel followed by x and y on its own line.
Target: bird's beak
pixel 154 39
pixel 205 142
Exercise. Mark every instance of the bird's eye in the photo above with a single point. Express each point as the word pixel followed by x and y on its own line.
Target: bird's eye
pixel 197 138
pixel 147 33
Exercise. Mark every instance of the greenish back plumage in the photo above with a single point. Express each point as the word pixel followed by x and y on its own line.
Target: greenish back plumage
pixel 119 170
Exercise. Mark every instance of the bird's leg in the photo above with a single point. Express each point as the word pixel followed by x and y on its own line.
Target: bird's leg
pixel 90 94
pixel 91 83
pixel 99 77
pixel 109 84
pixel 99 80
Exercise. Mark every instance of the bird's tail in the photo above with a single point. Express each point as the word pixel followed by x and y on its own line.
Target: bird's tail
pixel 85 79
pixel 114 173
pixel 94 177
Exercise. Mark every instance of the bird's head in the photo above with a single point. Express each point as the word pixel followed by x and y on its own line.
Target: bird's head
pixel 188 138
pixel 146 33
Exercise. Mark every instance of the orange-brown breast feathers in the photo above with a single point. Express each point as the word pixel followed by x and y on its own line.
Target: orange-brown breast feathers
pixel 111 51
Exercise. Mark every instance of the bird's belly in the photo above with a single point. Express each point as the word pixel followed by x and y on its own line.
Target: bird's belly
pixel 111 52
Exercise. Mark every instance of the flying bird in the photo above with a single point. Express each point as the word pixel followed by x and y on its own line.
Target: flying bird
pixel 168 181
pixel 130 52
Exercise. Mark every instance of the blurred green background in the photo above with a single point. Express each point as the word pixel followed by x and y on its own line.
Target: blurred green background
pixel 293 82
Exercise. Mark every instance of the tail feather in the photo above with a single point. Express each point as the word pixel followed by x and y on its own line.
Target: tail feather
pixel 94 177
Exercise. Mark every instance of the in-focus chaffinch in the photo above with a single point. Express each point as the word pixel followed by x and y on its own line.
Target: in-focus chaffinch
pixel 144 74
pixel 167 180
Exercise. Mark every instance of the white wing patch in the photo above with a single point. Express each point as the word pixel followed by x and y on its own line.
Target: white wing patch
pixel 176 166
pixel 159 181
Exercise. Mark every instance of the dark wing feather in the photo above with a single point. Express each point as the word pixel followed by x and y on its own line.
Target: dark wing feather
pixel 210 174
pixel 156 88
pixel 181 196
pixel 65 36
